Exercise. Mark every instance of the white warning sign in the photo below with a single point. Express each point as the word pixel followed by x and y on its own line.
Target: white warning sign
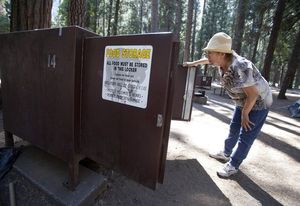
pixel 126 74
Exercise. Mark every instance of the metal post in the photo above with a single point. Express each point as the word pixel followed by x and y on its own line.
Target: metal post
pixel 73 180
pixel 12 198
pixel 9 139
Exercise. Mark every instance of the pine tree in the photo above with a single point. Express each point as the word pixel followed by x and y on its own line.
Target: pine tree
pixel 273 38
pixel 77 12
pixel 30 14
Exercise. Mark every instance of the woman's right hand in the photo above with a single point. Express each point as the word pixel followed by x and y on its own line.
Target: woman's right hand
pixel 246 123
pixel 195 63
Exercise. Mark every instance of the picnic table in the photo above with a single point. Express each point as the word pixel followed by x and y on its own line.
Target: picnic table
pixel 216 86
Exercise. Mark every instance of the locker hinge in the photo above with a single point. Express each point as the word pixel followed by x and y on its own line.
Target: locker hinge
pixel 159 122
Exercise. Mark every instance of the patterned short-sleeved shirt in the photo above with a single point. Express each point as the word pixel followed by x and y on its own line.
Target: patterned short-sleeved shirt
pixel 243 73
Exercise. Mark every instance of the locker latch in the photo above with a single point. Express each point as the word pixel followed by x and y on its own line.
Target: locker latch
pixel 51 60
pixel 159 122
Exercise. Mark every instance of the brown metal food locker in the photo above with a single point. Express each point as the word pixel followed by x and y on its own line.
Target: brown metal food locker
pixel 127 102
pixel 41 81
pixel 75 94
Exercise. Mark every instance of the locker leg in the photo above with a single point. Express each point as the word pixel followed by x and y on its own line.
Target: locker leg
pixel 73 180
pixel 9 139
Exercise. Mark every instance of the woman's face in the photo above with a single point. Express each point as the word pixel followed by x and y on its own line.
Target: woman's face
pixel 215 58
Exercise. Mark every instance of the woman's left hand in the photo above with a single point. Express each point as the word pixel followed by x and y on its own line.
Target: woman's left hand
pixel 246 123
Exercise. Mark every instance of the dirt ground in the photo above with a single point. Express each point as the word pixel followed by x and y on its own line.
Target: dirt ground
pixel 269 175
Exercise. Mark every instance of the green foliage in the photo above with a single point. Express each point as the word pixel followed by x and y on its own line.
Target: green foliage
pixel 167 15
pixel 62 14
pixel 217 17
pixel 94 20
pixel 4 24
pixel 4 16
pixel 257 10
pixel 134 23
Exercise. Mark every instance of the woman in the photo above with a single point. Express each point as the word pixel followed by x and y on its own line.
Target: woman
pixel 251 94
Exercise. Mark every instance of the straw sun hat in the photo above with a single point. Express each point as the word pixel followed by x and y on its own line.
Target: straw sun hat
pixel 220 42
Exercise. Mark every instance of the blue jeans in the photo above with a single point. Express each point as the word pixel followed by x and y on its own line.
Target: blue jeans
pixel 244 139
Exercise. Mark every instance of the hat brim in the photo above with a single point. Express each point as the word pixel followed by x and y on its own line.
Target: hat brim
pixel 218 50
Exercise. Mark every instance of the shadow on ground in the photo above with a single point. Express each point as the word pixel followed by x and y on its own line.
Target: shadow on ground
pixel 186 184
pixel 254 190
pixel 26 193
pixel 263 137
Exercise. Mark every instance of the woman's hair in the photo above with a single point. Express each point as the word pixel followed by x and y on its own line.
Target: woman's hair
pixel 228 56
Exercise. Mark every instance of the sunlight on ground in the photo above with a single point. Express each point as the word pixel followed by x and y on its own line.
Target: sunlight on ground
pixel 265 168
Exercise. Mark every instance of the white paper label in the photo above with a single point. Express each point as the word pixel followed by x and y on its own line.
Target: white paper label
pixel 126 74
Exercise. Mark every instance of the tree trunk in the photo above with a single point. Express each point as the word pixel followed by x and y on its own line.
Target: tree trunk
pixel 297 81
pixel 178 21
pixel 77 11
pixel 169 15
pixel 239 25
pixel 212 26
pixel 88 22
pixel 116 18
pixel 273 38
pixel 276 76
pixel 141 15
pixel 281 74
pixel 194 30
pixel 154 16
pixel 30 14
pixel 292 67
pixel 2 13
pixel 95 24
pixel 188 31
pixel 103 18
pixel 258 23
pixel 109 17
pixel 202 41
pixel 234 12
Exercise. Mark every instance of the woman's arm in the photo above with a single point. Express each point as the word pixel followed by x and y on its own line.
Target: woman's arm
pixel 252 94
pixel 195 63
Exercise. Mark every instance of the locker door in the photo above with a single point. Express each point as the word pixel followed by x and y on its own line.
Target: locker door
pixel 183 94
pixel 126 85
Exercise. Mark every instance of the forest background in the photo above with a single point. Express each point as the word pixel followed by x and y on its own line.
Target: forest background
pixel 265 32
